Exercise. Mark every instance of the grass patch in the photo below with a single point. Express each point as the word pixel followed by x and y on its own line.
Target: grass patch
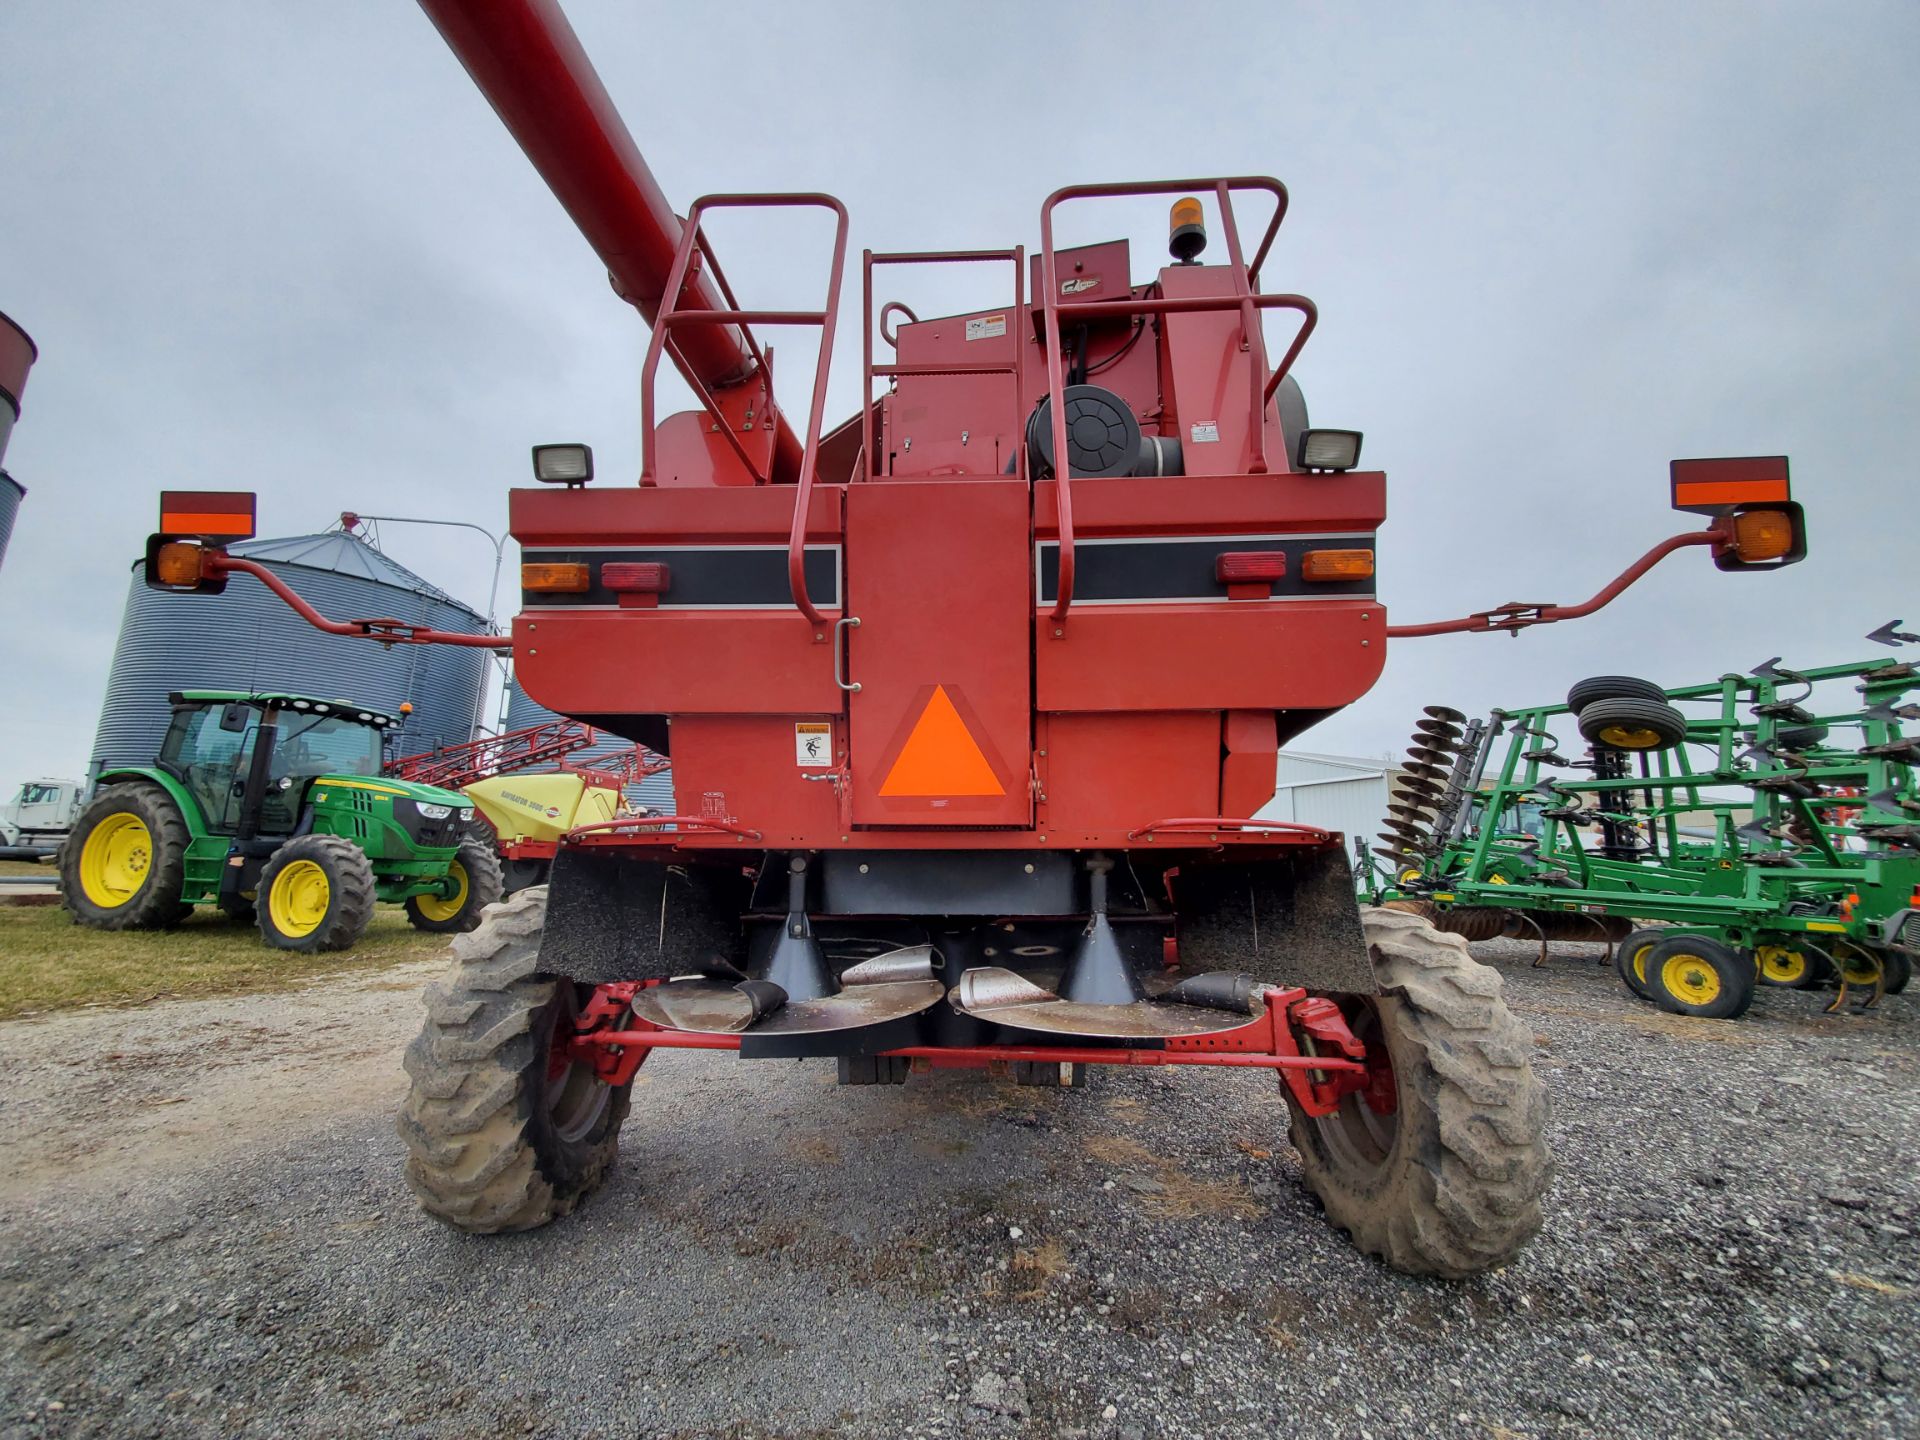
pixel 49 963
pixel 47 870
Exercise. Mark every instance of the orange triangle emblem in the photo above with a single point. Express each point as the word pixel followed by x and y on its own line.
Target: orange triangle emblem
pixel 941 757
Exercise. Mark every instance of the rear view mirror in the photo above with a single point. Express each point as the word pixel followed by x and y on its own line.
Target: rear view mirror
pixel 234 718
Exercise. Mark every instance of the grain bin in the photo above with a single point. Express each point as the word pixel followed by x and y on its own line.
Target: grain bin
pixel 654 792
pixel 17 354
pixel 246 639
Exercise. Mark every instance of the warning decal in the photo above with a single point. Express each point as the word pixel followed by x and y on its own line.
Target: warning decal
pixel 985 327
pixel 813 743
pixel 941 757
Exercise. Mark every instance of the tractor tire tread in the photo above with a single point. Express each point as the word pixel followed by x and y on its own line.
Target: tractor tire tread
pixel 1467 1197
pixel 157 905
pixel 351 886
pixel 477 1159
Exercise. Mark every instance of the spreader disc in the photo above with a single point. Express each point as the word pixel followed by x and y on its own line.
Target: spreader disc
pixel 1000 997
pixel 711 1007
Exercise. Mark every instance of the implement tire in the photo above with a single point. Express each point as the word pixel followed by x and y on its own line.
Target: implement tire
pixel 1630 959
pixel 478 883
pixel 314 894
pixel 1612 687
pixel 1696 975
pixel 497 1140
pixel 1450 1183
pixel 1638 725
pixel 124 862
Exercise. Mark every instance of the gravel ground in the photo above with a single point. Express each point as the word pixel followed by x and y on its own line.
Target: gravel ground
pixel 206 1233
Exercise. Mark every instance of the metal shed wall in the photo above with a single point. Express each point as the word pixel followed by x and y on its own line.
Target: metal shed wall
pixel 1335 792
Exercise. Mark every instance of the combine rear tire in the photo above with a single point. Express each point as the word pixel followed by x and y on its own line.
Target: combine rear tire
pixel 478 883
pixel 503 1132
pixel 316 893
pixel 1633 724
pixel 125 860
pixel 1450 1182
pixel 1693 975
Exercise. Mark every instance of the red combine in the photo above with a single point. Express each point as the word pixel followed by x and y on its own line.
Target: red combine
pixel 969 699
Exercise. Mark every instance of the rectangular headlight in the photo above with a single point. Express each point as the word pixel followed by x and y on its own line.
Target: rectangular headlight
pixel 1329 449
pixel 434 812
pixel 563 464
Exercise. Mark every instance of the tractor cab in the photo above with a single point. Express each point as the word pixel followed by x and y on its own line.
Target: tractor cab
pixel 211 744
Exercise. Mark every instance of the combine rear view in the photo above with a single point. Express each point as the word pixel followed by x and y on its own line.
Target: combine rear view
pixel 969 700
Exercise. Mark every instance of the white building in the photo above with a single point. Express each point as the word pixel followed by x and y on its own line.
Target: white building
pixel 1347 793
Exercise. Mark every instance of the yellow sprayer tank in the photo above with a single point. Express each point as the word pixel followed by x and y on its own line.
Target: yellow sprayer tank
pixel 542 807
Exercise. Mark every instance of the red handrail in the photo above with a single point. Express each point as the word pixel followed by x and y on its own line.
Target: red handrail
pixel 1245 298
pixel 826 318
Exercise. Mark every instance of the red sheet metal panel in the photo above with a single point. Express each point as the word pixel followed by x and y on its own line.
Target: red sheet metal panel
pixel 1107 773
pixel 938 575
pixel 1242 655
pixel 664 662
pixel 743 768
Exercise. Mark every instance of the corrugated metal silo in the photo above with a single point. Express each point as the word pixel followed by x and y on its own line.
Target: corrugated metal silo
pixel 247 639
pixel 654 792
pixel 17 354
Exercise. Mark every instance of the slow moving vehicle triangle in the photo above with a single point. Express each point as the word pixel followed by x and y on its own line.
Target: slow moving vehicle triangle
pixel 941 757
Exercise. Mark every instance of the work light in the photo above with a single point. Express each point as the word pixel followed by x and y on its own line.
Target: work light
pixel 563 464
pixel 1329 449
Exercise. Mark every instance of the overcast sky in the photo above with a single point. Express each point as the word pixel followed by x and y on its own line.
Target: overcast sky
pixel 289 248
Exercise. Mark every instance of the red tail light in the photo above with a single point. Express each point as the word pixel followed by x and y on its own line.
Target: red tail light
pixel 1250 567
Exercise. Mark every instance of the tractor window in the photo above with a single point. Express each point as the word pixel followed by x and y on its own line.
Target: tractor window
pixel 326 745
pixel 204 758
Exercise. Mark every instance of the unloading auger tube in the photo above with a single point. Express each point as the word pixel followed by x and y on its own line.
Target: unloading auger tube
pixel 906 681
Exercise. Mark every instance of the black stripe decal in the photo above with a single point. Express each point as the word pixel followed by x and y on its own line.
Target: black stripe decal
pixel 701 579
pixel 1183 569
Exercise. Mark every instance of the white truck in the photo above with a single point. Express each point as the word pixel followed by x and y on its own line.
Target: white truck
pixel 37 818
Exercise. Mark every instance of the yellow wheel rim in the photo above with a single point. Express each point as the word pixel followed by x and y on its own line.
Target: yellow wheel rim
pixel 1782 964
pixel 445 907
pixel 299 899
pixel 1690 979
pixel 1623 737
pixel 1859 967
pixel 1410 873
pixel 115 860
pixel 1638 960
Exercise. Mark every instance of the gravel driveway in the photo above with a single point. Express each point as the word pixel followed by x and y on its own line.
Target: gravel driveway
pixel 203 1232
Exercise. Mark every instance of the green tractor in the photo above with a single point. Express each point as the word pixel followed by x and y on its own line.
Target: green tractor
pixel 273 807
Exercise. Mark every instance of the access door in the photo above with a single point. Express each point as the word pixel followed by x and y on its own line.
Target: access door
pixel 941 721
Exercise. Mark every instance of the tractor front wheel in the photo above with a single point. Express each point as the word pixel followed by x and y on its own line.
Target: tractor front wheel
pixel 477 883
pixel 1448 1181
pixel 315 893
pixel 125 861
pixel 505 1130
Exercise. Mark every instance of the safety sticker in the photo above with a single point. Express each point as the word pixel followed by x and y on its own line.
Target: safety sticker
pixel 1204 431
pixel 985 327
pixel 813 743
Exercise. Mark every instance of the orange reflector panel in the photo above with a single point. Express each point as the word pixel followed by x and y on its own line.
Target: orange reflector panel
pixel 227 514
pixel 1337 565
pixel 1715 484
pixel 1762 534
pixel 941 757
pixel 177 563
pixel 555 578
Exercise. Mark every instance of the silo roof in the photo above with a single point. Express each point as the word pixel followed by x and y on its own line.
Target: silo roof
pixel 344 554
